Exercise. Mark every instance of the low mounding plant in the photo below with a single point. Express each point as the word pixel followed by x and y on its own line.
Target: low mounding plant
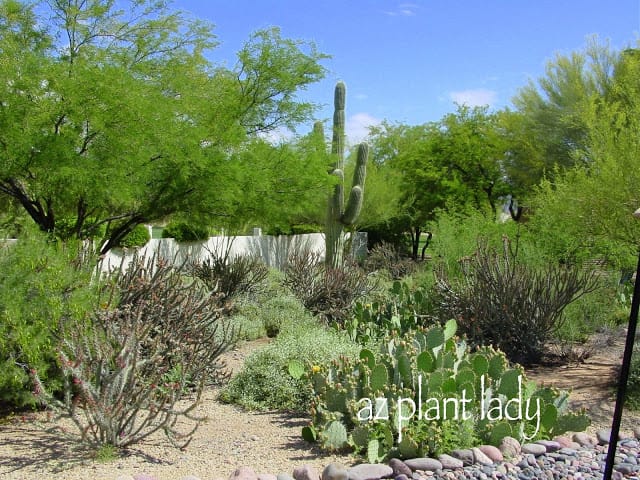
pixel 509 304
pixel 424 393
pixel 326 291
pixel 185 232
pixel 142 359
pixel 138 237
pixel 231 275
pixel 264 381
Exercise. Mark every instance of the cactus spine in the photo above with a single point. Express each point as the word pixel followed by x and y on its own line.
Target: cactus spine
pixel 339 216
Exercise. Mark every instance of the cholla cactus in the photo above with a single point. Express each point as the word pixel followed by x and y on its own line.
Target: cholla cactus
pixel 340 216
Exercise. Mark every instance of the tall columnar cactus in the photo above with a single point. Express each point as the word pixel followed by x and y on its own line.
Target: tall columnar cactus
pixel 340 216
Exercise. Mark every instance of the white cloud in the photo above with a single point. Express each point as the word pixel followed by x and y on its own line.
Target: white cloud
pixel 357 127
pixel 474 97
pixel 403 10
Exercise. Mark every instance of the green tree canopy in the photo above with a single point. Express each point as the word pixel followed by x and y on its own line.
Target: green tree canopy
pixel 116 117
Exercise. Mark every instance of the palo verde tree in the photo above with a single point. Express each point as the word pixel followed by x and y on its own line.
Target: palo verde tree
pixel 111 118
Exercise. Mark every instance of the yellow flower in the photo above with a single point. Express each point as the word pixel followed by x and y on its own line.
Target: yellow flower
pixel 315 369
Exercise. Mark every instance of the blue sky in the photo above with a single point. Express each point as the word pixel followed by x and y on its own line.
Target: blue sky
pixel 410 61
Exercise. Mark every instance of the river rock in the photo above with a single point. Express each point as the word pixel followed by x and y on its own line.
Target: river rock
pixel 480 457
pixel 465 455
pixel 510 447
pixel 492 452
pixel 584 439
pixel 450 462
pixel 550 445
pixel 369 471
pixel 399 468
pixel 267 476
pixel 284 476
pixel 243 473
pixel 426 464
pixel 534 449
pixel 305 472
pixel 335 471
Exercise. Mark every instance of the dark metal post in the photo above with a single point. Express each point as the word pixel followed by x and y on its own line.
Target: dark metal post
pixel 624 372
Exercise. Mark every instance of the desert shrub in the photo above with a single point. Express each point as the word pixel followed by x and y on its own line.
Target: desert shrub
pixel 231 275
pixel 509 304
pixel 185 232
pixel 423 393
pixel 142 360
pixel 328 292
pixel 264 381
pixel 387 257
pixel 42 287
pixel 632 398
pixel 137 237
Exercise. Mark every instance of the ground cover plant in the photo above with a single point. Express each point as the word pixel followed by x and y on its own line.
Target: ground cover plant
pixel 264 381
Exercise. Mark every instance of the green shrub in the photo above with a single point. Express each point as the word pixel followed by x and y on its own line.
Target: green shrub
pixel 138 237
pixel 423 393
pixel 264 381
pixel 42 287
pixel 185 232
pixel 266 316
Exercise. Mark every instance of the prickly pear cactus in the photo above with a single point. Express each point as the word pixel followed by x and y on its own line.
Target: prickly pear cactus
pixel 340 215
pixel 405 399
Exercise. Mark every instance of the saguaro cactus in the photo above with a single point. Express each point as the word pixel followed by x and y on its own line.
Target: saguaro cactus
pixel 339 216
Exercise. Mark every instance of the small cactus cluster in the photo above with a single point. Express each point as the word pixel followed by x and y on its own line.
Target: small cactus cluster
pixel 372 404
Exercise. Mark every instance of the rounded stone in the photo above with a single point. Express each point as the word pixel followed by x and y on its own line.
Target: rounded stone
pixel 480 457
pixel 243 473
pixel 492 452
pixel 510 447
pixel 305 472
pixel 399 467
pixel 267 476
pixel 450 462
pixel 584 439
pixel 465 455
pixel 534 449
pixel 335 471
pixel 369 471
pixel 426 464
pixel 603 436
pixel 402 476
pixel 284 476
pixel 563 440
pixel 550 445
pixel 636 432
